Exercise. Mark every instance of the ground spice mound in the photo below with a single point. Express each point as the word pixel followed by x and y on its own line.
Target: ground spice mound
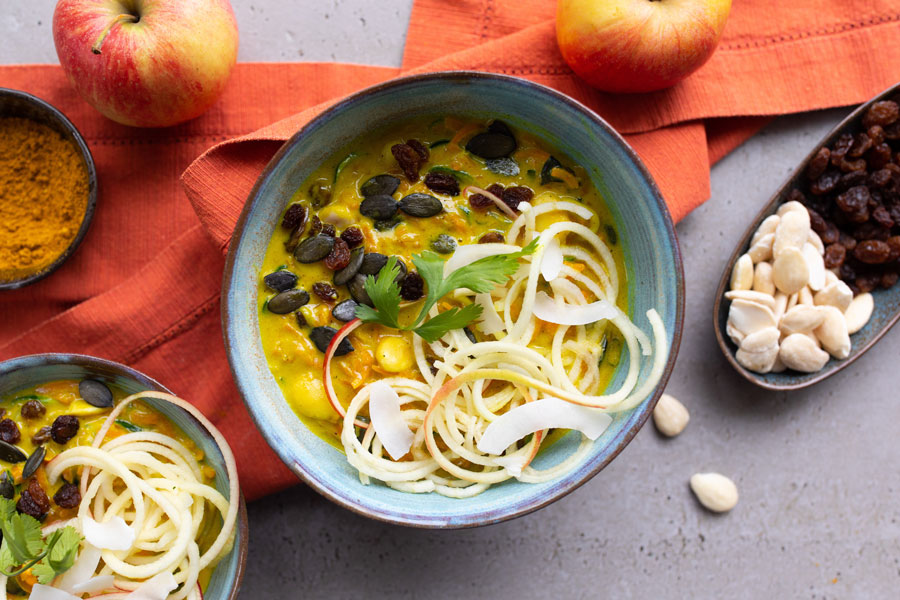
pixel 43 196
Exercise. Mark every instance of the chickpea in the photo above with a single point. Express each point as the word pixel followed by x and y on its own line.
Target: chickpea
pixel 394 354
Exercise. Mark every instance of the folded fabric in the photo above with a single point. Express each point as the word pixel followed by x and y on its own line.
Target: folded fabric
pixel 144 287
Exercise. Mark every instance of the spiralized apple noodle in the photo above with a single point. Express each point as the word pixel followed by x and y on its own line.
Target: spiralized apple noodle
pixel 155 484
pixel 472 384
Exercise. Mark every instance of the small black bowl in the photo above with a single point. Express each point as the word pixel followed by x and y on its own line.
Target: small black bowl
pixel 14 103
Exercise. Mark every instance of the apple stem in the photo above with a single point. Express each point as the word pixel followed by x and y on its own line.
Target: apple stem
pixel 119 19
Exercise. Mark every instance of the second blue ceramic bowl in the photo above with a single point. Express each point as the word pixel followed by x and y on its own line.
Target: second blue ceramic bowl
pixel 653 266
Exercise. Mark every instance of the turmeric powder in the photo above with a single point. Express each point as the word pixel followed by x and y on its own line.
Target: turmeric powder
pixel 43 196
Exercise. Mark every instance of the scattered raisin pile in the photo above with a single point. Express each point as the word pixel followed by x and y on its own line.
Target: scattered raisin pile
pixel 852 192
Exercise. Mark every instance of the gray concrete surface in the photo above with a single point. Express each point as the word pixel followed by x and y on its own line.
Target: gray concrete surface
pixel 817 469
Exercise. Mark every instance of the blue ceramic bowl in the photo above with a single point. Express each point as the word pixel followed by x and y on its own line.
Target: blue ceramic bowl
pixel 26 371
pixel 653 265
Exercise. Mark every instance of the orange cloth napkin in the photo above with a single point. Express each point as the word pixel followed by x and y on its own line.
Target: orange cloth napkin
pixel 144 287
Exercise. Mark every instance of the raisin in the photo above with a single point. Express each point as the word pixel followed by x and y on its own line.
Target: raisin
pixel 797 196
pixel 412 286
pixel 831 234
pixel 68 496
pixel 42 436
pixel 482 202
pixel 825 183
pixel 888 279
pixel 881 113
pixel 315 226
pixel 882 217
pixel 847 241
pixel 840 149
pixel 328 229
pixel 33 501
pixel 879 156
pixel 294 216
pixel 894 243
pixel 9 431
pixel 64 428
pixel 420 149
pixel 851 179
pixel 852 165
pixel 872 252
pixel 834 256
pixel 491 237
pixel 33 409
pixel 325 291
pixel 816 222
pixel 876 132
pixel 848 273
pixel 352 236
pixel 818 164
pixel 867 283
pixel 855 203
pixel 442 183
pixel 881 178
pixel 861 144
pixel 339 257
pixel 892 131
pixel 871 231
pixel 513 196
pixel 409 159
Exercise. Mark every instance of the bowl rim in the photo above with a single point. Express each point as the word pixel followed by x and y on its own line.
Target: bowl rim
pixel 58 117
pixel 471 519
pixel 778 198
pixel 92 362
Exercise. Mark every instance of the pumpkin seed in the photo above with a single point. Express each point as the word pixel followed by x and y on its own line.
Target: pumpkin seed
pixel 280 281
pixel 387 224
pixel 380 185
pixel 547 171
pixel 7 489
pixel 95 393
pixel 372 263
pixel 444 244
pixel 314 249
pixel 357 255
pixel 33 462
pixel 491 145
pixel 321 337
pixel 503 166
pixel 345 311
pixel 287 301
pixel 11 454
pixel 357 287
pixel 379 207
pixel 421 205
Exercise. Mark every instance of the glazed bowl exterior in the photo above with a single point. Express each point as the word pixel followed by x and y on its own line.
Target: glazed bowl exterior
pixel 27 371
pixel 653 266
pixel 14 103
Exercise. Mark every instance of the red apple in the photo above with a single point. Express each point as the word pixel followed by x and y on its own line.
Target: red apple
pixel 147 63
pixel 638 45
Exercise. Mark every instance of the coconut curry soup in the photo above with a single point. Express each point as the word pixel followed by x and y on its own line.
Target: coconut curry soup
pixel 440 297
pixel 103 493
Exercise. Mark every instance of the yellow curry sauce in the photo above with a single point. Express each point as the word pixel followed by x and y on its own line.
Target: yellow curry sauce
pixel 332 193
pixel 61 398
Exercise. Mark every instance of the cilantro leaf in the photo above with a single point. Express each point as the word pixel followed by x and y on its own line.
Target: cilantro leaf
pixel 62 554
pixel 7 562
pixel 23 545
pixel 22 533
pixel 455 318
pixel 385 295
pixel 45 573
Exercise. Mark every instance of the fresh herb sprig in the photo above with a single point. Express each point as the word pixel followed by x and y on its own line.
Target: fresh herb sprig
pixel 25 548
pixel 479 276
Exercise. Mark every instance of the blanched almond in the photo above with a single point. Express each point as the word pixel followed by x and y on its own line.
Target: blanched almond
pixel 790 271
pixel 804 296
pixel 736 335
pixel 762 340
pixel 832 333
pixel 752 296
pixel 816 265
pixel 781 302
pixel 670 416
pixel 830 276
pixel 742 273
pixel 799 352
pixel 768 226
pixel 761 250
pixel 837 294
pixel 791 206
pixel 748 317
pixel 859 312
pixel 800 319
pixel 714 491
pixel 759 362
pixel 816 241
pixel 792 301
pixel 792 232
pixel 762 279
pixel 778 366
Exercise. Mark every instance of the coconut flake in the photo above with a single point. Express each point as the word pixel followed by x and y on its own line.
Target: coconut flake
pixel 490 321
pixel 546 309
pixel 94 585
pixel 82 569
pixel 45 592
pixel 155 588
pixel 546 413
pixel 469 253
pixel 552 260
pixel 387 419
pixel 114 534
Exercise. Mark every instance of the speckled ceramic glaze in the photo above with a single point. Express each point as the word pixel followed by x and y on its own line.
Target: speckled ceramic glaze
pixel 26 371
pixel 14 103
pixel 887 302
pixel 653 265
